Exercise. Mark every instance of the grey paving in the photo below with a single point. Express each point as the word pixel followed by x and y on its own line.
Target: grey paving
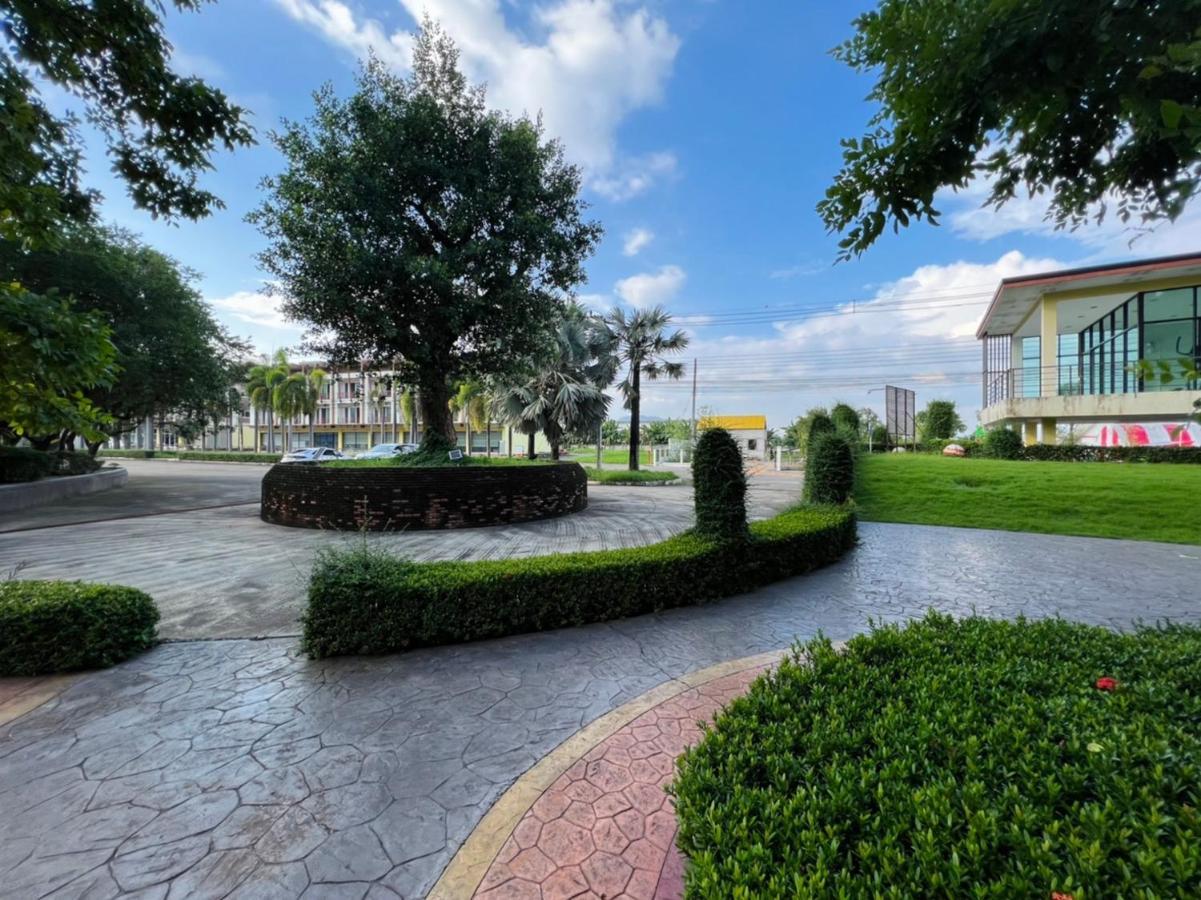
pixel 189 534
pixel 237 768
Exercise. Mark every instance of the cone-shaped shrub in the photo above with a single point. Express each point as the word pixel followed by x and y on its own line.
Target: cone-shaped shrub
pixel 719 486
pixel 829 469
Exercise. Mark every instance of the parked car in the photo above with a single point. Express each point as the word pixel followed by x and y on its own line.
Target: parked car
pixel 313 455
pixel 384 451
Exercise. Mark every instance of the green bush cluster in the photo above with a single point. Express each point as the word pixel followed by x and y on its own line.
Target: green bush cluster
pixel 61 626
pixel 1079 453
pixel 719 486
pixel 829 469
pixel 1002 443
pixel 955 759
pixel 365 601
pixel 626 476
pixel 20 464
pixel 971 446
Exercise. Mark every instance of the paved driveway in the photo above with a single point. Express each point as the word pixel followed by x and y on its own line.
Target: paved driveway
pixel 235 768
pixel 189 534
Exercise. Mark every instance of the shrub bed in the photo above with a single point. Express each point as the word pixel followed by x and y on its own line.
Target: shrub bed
pixel 228 456
pixel 1079 453
pixel 956 759
pixel 365 601
pixel 60 626
pixel 137 454
pixel 626 476
pixel 22 464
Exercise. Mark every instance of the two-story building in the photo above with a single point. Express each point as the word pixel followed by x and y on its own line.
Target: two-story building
pixel 1061 353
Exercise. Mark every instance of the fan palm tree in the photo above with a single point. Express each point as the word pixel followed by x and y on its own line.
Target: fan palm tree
pixel 641 345
pixel 566 395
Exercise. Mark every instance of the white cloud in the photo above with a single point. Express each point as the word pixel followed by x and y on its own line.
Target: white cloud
pixel 651 288
pixel 586 64
pixel 636 241
pixel 634 176
pixel 253 308
pixel 917 331
pixel 1112 238
pixel 812 267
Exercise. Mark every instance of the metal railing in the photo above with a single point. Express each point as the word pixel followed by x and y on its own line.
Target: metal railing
pixel 1071 380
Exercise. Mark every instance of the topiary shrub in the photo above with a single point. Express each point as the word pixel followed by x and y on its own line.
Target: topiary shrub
pixel 829 469
pixel 819 423
pixel 1002 443
pixel 18 464
pixel 974 758
pixel 60 626
pixel 719 486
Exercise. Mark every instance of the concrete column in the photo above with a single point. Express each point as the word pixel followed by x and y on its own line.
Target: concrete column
pixel 1049 347
pixel 1030 432
pixel 1049 435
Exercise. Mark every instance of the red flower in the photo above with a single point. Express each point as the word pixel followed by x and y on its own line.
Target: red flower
pixel 1106 684
pixel 1056 895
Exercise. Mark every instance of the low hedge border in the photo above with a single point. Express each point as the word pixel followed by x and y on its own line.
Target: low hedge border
pixel 61 626
pixel 137 454
pixel 365 601
pixel 19 465
pixel 625 476
pixel 955 759
pixel 1080 453
pixel 226 456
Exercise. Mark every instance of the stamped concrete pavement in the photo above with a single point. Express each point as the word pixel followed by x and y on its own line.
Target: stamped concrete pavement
pixel 238 768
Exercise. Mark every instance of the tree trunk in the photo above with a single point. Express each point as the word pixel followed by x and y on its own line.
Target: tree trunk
pixel 488 437
pixel 467 431
pixel 312 426
pixel 93 447
pixel 635 400
pixel 434 402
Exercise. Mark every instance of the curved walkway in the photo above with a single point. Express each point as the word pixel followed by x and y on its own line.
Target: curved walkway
pixel 239 768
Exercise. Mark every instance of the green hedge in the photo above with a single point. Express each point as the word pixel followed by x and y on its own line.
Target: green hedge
pixel 1078 453
pixel 1002 443
pixel 137 454
pixel 625 476
pixel 60 626
pixel 21 464
pixel 365 601
pixel 228 456
pixel 956 759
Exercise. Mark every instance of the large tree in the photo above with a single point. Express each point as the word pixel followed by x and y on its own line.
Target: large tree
pixel 1082 100
pixel 174 359
pixel 642 345
pixel 414 224
pixel 160 129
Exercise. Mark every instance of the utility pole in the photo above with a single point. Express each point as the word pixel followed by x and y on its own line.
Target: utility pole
pixel 694 399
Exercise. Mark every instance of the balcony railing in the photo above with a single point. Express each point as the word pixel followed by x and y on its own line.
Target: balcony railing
pixel 1071 380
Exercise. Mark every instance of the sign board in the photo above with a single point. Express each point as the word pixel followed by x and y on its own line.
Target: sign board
pixel 900 414
pixel 455 455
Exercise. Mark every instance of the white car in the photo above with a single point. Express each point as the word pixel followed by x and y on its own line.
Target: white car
pixel 385 451
pixel 312 455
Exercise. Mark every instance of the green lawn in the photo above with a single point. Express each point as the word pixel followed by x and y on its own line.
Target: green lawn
pixel 610 456
pixel 1116 500
pixel 625 476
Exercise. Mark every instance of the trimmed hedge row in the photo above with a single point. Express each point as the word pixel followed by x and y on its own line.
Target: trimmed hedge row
pixel 137 454
pixel 22 464
pixel 365 601
pixel 60 626
pixel 228 456
pixel 626 476
pixel 1079 452
pixel 955 759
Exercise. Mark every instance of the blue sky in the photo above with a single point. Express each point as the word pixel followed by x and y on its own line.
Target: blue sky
pixel 707 131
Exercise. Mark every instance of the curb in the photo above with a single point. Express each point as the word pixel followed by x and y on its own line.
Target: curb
pixel 47 490
pixel 469 865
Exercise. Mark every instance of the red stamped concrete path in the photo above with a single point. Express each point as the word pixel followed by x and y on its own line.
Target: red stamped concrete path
pixel 606 828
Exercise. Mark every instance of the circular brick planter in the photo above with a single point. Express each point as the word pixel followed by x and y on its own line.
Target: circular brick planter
pixel 395 498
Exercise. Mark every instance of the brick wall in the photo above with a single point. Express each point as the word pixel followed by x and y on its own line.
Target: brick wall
pixel 390 498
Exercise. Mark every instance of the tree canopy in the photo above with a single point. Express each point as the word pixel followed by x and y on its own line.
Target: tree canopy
pixel 1086 102
pixel 939 421
pixel 172 357
pixel 160 128
pixel 413 224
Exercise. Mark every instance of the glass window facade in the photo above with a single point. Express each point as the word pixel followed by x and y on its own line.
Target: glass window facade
pixel 1156 325
pixel 1031 383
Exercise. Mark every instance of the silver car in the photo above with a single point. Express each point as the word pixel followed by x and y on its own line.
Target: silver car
pixel 385 451
pixel 313 455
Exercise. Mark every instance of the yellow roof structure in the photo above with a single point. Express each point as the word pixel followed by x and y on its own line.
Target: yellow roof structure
pixel 734 423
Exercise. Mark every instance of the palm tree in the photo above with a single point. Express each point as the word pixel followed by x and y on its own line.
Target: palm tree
pixel 566 395
pixel 262 381
pixel 408 408
pixel 473 401
pixel 291 395
pixel 641 346
pixel 314 383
